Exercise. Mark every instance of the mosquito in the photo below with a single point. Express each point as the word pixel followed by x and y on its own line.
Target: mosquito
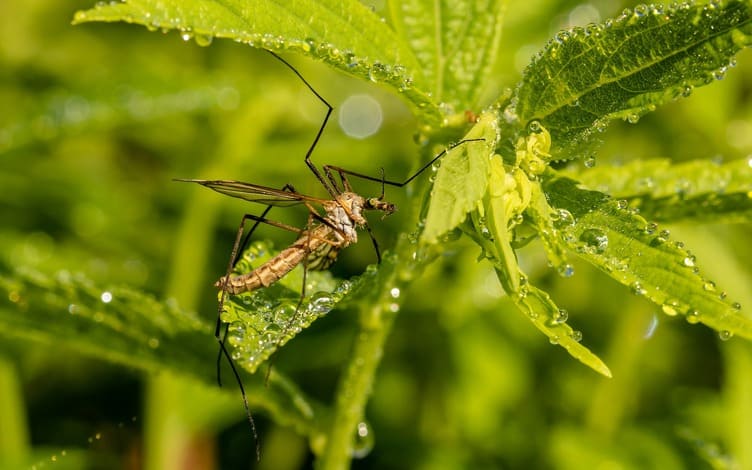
pixel 333 224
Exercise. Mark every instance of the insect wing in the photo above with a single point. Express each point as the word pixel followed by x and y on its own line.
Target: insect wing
pixel 255 193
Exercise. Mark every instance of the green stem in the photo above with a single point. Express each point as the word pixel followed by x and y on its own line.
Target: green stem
pixel 14 432
pixel 376 320
pixel 355 386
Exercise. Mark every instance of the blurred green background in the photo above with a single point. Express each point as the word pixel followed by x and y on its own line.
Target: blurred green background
pixel 96 121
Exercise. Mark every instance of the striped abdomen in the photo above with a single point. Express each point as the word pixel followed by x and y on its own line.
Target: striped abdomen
pixel 320 245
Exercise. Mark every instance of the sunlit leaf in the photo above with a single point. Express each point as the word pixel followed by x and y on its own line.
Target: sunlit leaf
pixel 625 67
pixel 462 179
pixel 639 255
pixel 455 42
pixel 264 320
pixel 665 191
pixel 345 34
pixel 125 326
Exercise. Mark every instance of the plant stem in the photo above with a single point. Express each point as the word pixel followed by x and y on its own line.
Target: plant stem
pixel 376 320
pixel 356 383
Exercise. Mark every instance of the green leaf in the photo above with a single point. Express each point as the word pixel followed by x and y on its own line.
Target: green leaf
pixel 625 67
pixel 343 33
pixel 621 243
pixel 125 326
pixel 262 321
pixel 551 320
pixel 455 42
pixel 462 179
pixel 664 191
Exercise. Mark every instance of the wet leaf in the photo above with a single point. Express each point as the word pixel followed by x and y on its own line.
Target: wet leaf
pixel 643 257
pixel 665 191
pixel 455 42
pixel 461 180
pixel 345 34
pixel 262 321
pixel 625 67
pixel 125 326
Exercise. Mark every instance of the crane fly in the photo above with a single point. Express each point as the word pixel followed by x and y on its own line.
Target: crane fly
pixel 332 226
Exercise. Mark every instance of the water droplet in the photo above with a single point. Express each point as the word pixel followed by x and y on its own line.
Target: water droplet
pixel 576 335
pixel 553 339
pixel 651 228
pixel 725 335
pixel 394 292
pixel 709 286
pixel 693 317
pixel 153 343
pixel 364 441
pixel 633 118
pixel 534 127
pixel 595 239
pixel 669 310
pixel 203 40
pixel 321 303
pixel 560 317
pixel 637 288
pixel 622 204
pixel 566 270
pixel 563 218
pixel 689 261
pixel 589 162
pixel 736 306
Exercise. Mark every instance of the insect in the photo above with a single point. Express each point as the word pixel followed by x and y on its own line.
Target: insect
pixel 332 225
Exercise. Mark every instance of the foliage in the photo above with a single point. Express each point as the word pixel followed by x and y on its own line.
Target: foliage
pixel 88 156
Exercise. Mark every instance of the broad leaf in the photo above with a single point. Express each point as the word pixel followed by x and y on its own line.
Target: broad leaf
pixel 625 67
pixel 125 326
pixel 665 191
pixel 262 321
pixel 621 243
pixel 345 34
pixel 462 179
pixel 455 43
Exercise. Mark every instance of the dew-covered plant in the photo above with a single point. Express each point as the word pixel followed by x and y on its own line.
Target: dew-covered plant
pixel 528 176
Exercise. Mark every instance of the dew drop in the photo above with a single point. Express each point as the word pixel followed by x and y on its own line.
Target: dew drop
pixel 203 40
pixel 669 310
pixel 106 297
pixel 725 335
pixel 595 239
pixel 576 335
pixel 566 270
pixel 394 292
pixel 693 317
pixel 589 162
pixel 364 441
pixel 633 118
pixel 637 288
pixel 560 317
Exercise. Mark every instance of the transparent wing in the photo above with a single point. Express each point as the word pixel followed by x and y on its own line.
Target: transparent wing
pixel 255 193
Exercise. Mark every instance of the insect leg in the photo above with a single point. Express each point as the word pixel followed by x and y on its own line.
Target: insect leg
pixel 234 257
pixel 330 187
pixel 383 181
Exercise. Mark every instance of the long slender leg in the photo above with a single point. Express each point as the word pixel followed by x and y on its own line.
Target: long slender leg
pixel 244 245
pixel 311 216
pixel 330 187
pixel 221 340
pixel 381 180
pixel 221 337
